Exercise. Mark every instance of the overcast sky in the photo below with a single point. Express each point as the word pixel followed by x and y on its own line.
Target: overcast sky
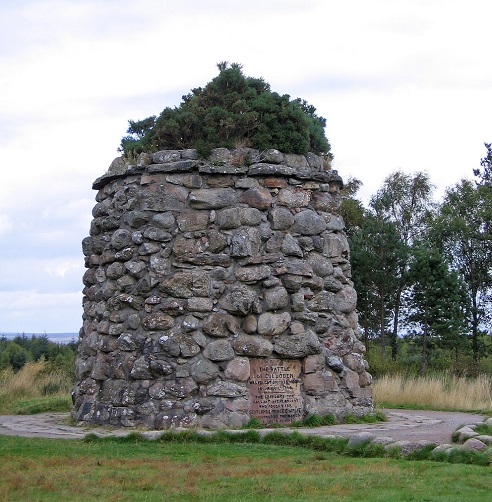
pixel 403 84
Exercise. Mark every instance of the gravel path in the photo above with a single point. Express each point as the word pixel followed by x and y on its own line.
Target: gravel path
pixel 407 425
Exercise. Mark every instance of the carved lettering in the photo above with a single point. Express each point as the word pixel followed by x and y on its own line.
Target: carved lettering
pixel 275 391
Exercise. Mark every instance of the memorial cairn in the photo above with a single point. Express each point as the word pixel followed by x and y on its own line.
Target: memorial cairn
pixel 218 291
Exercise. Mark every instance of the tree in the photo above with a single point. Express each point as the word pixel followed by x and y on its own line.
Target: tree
pixel 352 209
pixel 406 201
pixel 232 109
pixel 436 303
pixel 376 255
pixel 485 174
pixel 462 230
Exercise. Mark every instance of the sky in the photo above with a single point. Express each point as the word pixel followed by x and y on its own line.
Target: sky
pixel 404 85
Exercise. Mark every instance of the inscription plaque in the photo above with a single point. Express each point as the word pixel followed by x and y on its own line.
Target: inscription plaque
pixel 275 391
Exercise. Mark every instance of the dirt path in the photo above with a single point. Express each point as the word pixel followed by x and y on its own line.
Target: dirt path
pixel 401 425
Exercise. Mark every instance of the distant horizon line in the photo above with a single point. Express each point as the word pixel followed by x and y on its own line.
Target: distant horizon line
pixel 39 333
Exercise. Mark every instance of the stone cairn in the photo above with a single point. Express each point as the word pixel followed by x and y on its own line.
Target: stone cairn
pixel 218 291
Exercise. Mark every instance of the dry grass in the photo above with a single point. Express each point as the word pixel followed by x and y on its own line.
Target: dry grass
pixel 442 392
pixel 33 381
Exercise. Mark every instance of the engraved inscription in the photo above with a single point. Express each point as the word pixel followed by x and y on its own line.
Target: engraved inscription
pixel 275 391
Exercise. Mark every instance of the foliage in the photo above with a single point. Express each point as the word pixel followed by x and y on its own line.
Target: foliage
pixel 404 200
pixel 431 316
pixel 22 349
pixel 352 209
pixel 485 174
pixel 462 230
pixel 231 109
pixel 377 255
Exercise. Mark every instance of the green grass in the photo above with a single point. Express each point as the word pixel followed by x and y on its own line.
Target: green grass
pixel 484 429
pixel 41 405
pixel 133 469
pixel 315 420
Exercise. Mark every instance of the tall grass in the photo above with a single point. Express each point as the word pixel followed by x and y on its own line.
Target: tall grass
pixel 38 386
pixel 439 392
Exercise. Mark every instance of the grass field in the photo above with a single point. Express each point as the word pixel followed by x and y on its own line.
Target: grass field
pixel 116 470
pixel 439 392
pixel 36 388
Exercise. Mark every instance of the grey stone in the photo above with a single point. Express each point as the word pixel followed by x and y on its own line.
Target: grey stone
pixel 219 350
pixel 273 324
pixel 222 169
pixel 320 264
pixel 226 389
pixel 335 363
pixel 190 154
pixel 250 216
pixel 157 322
pixel 148 248
pixel 270 170
pixel 164 200
pixel 253 346
pixel 290 247
pixel 200 304
pixel 217 242
pixel 281 218
pixel 121 239
pixel 259 198
pixel 315 161
pixel 203 371
pixel 297 346
pixel 115 270
pixel 252 274
pixel 276 298
pixel 334 223
pixel 191 221
pixel 220 155
pixel 221 325
pixel 314 363
pixel 229 218
pixel 250 324
pixel 129 342
pixel 146 367
pixel 308 222
pixel 187 284
pixel 294 198
pixel 164 220
pixel 135 268
pixel 171 167
pixel 319 383
pixel 360 439
pixel 241 245
pixel 272 156
pixel 238 300
pixel 136 219
pixel 165 156
pixel 238 369
pixel 161 266
pixel 181 388
pixel 178 344
pixel 334 245
pixel 191 275
pixel 157 234
pixel 212 198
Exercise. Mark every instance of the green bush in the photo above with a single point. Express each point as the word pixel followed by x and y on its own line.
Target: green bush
pixel 231 109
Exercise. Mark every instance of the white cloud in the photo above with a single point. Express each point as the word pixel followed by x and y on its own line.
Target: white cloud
pixel 402 85
pixel 30 311
pixel 5 224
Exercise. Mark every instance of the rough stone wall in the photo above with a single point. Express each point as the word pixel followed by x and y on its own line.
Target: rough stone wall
pixel 218 291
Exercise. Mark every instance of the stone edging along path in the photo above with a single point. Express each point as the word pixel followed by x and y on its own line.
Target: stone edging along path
pixel 408 430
